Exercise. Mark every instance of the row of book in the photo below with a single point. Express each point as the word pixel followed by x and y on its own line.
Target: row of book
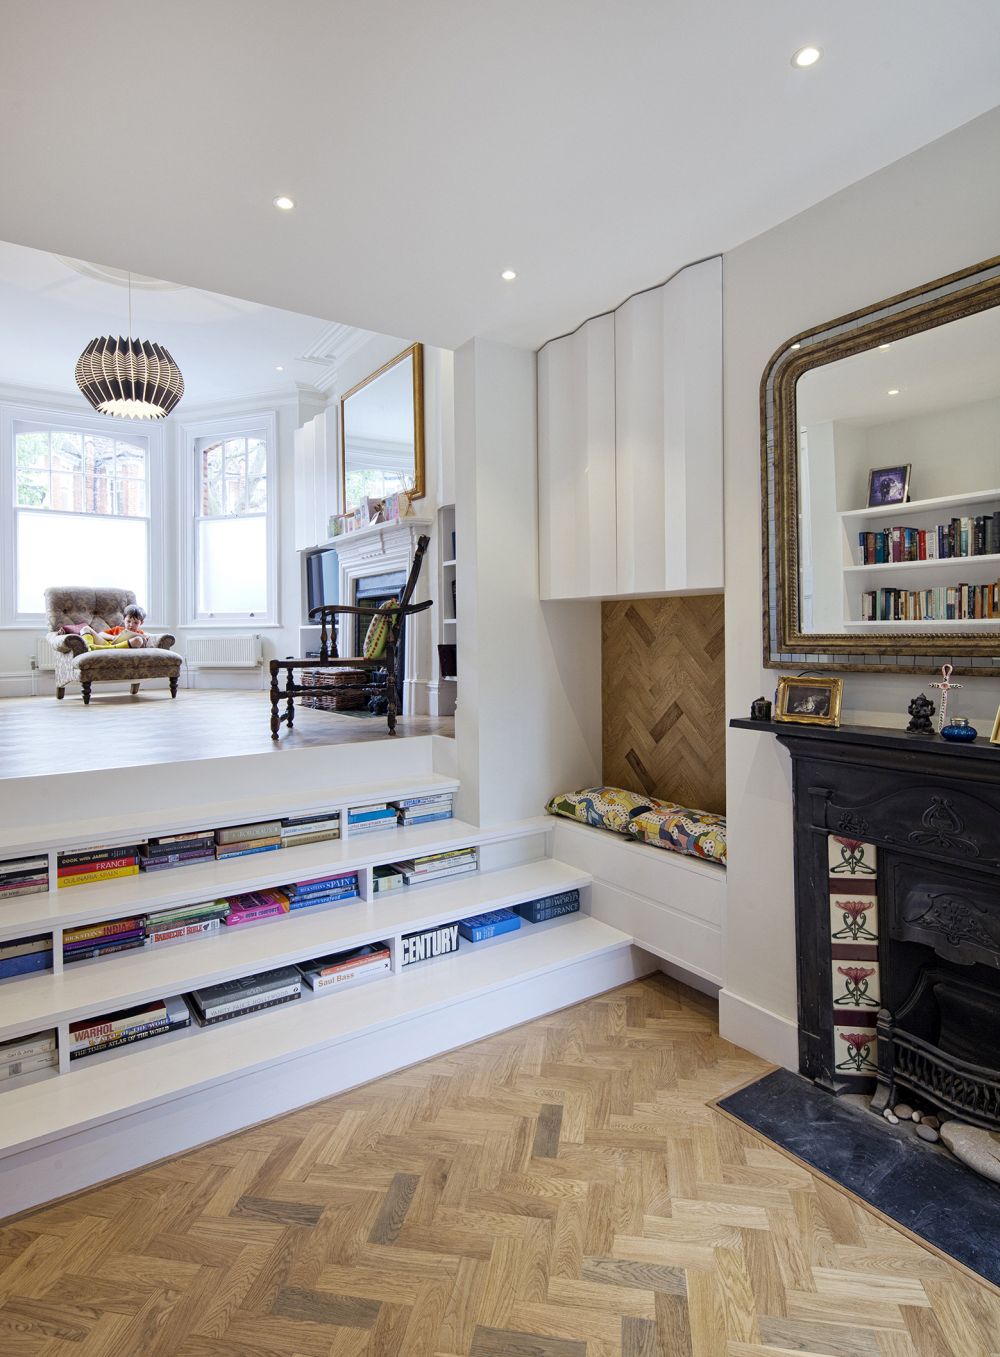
pixel 429 867
pixel 946 603
pixel 978 536
pixel 229 999
pixel 24 876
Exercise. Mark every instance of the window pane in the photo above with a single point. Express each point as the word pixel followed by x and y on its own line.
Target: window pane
pixel 67 449
pixel 66 493
pixel 232 566
pixel 52 550
pixel 32 450
pixel 32 488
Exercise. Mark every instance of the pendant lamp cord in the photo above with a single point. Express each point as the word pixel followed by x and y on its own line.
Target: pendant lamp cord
pixel 130 310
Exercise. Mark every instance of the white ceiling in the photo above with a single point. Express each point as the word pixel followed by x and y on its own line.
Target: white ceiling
pixel 51 306
pixel 593 146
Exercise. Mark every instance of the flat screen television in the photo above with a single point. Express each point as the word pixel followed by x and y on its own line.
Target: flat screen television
pixel 322 579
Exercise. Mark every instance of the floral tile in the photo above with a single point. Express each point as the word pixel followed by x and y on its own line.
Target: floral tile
pixel 853 916
pixel 851 858
pixel 856 987
pixel 855 1050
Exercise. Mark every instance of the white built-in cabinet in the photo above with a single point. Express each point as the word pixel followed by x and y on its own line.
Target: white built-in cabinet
pixel 317 476
pixel 630 446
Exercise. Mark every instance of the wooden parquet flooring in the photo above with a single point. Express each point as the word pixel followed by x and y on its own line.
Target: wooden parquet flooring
pixel 559 1190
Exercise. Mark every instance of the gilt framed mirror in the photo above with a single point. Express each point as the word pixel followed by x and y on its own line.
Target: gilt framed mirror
pixel 880 464
pixel 382 432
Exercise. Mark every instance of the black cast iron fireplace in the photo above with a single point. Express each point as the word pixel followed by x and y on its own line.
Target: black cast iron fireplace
pixel 897 899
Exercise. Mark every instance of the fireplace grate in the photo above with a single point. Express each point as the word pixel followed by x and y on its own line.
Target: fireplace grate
pixel 970 1091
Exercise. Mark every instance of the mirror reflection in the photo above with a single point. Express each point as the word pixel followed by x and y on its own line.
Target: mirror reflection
pixel 382 432
pixel 899 485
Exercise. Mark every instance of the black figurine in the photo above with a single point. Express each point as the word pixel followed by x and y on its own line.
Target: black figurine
pixel 760 709
pixel 921 710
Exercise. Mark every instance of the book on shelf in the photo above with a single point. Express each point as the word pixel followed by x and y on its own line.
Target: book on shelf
pixel 173 1015
pixel 25 946
pixel 25 963
pixel 373 826
pixel 223 854
pixel 431 799
pixel 24 888
pixel 185 860
pixel 369 808
pixel 317 819
pixel 231 997
pixel 156 937
pixel 35 1043
pixel 961 536
pixel 24 876
pixel 387 879
pixel 439 873
pixel 202 852
pixel 98 853
pixel 86 878
pixel 114 1023
pixel 21 867
pixel 88 932
pixel 256 905
pixel 322 898
pixel 344 968
pixel 426 819
pixel 316 836
pixel 187 914
pixel 28 1064
pixel 428 943
pixel 101 949
pixel 445 855
pixel 260 829
pixel 241 1010
pixel 182 839
pixel 490 925
pixel 549 906
pixel 322 883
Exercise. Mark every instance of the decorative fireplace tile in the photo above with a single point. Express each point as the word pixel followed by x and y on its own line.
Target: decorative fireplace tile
pixel 855 994
pixel 855 1051
pixel 856 989
pixel 854 915
pixel 851 859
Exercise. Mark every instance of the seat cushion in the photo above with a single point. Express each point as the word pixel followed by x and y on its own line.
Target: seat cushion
pixel 603 807
pixel 661 824
pixel 129 664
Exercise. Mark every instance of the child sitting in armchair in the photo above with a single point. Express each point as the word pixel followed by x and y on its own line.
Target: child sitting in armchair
pixel 130 636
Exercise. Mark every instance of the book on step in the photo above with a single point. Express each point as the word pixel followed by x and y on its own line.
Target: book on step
pixel 490 925
pixel 256 905
pixel 183 837
pixel 24 946
pixel 259 829
pixel 159 936
pixel 25 963
pixel 272 1000
pixel 549 906
pixel 223 854
pixel 346 967
pixel 175 1014
pixel 88 932
pixel 431 799
pixel 86 878
pixel 29 1064
pixel 23 1048
pixel 245 987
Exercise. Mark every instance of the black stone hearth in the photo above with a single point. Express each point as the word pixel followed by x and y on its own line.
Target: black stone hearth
pixel 920 1187
pixel 929 813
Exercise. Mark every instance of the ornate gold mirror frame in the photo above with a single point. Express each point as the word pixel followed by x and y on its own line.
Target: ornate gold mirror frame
pixel 416 352
pixel 786 645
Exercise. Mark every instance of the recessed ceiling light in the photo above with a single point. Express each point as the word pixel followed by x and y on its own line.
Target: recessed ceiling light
pixel 285 204
pixel 279 368
pixel 893 392
pixel 806 56
pixel 508 275
pixel 882 347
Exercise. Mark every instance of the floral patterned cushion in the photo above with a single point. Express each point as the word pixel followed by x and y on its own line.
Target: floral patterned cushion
pixel 662 824
pixel 603 807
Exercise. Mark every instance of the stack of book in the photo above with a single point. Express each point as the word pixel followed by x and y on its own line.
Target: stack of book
pixel 344 968
pixel 322 890
pixel 434 866
pixel 234 998
pixel 420 810
pixel 483 926
pixel 386 879
pixel 25 1055
pixel 975 536
pixel 236 841
pixel 24 876
pixel 128 1025
pixel 311 828
pixel 244 909
pixel 186 921
pixel 177 850
pixel 549 906
pixel 97 864
pixel 364 819
pixel 101 939
pixel 21 956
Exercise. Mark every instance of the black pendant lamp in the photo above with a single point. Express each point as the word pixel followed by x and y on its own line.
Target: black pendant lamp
pixel 129 378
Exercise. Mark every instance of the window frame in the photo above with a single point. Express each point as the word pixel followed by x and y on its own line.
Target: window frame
pixel 13 413
pixel 262 424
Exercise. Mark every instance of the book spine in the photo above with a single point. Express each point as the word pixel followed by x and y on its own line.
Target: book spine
pixel 25 947
pixel 174 842
pixel 10 1069
pixel 105 930
pixel 425 819
pixel 125 1039
pixel 103 1032
pixel 28 1047
pixel 155 939
pixel 242 916
pixel 24 866
pixel 26 964
pixel 95 853
pixel 87 877
pixel 323 900
pixel 405 802
pixel 349 964
pixel 334 883
pixel 241 833
pixel 300 840
pixel 220 1014
pixel 98 865
pixel 371 828
pixel 10 892
pixel 328 980
pixel 222 856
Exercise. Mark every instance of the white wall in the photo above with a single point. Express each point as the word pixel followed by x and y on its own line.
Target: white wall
pixel 529 701
pixel 928 215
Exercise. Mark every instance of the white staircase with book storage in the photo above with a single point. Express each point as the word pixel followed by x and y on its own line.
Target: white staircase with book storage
pixel 87 1120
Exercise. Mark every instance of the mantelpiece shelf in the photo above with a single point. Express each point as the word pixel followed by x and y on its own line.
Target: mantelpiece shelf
pixel 921 506
pixel 105 984
pixel 883 737
pixel 58 1106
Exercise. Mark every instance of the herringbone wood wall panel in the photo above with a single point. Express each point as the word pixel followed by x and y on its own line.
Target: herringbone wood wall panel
pixel 559 1190
pixel 663 691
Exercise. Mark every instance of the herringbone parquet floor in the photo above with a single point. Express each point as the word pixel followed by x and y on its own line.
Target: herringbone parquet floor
pixel 560 1190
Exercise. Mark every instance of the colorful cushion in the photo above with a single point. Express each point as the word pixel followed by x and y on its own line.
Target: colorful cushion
pixel 661 824
pixel 698 833
pixel 378 632
pixel 603 807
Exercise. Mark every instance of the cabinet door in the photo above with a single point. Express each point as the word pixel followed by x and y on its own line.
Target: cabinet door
pixel 576 463
pixel 668 435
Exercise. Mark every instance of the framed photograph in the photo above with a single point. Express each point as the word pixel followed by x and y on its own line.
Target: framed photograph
pixel 995 736
pixel 810 701
pixel 888 485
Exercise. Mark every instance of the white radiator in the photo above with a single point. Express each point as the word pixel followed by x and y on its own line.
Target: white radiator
pixel 224 652
pixel 45 656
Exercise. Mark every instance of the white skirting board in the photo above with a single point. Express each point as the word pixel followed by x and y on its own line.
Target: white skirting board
pixel 757 1029
pixel 85 1158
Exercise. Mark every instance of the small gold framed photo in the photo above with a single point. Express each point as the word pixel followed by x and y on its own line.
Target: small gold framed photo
pixel 810 701
pixel 995 734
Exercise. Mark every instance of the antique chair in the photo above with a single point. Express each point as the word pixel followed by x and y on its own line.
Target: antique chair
pixel 100 609
pixel 329 658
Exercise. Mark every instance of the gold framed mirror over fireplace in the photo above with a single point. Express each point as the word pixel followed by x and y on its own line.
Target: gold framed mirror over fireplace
pixel 880 463
pixel 382 432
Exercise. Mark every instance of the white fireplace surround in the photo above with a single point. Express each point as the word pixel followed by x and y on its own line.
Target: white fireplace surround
pixel 374 551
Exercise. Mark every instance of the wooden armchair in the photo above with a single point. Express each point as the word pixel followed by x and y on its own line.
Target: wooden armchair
pixel 288 691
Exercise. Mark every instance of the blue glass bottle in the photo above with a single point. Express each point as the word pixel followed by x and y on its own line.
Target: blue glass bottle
pixel 959 730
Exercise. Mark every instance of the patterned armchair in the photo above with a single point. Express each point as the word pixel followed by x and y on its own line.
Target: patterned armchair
pixel 100 609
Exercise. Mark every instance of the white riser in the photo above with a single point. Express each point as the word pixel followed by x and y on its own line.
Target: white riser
pixel 79 1160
